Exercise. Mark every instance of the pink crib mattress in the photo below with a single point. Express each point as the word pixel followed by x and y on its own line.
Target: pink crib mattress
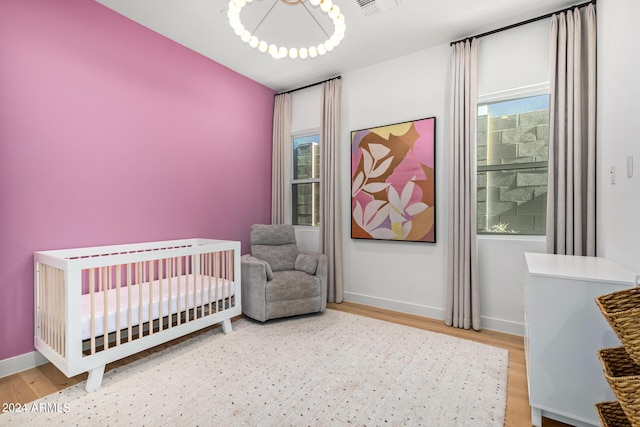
pixel 176 293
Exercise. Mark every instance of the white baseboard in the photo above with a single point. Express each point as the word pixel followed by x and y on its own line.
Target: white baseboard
pixel 500 325
pixel 16 364
pixel 437 313
pixel 401 306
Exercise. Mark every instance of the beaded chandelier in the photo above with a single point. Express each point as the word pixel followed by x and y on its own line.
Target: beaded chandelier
pixel 278 52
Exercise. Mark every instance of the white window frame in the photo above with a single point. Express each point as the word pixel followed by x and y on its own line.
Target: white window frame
pixel 515 93
pixel 290 174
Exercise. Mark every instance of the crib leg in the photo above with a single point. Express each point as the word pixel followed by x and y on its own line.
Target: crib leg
pixel 95 379
pixel 226 326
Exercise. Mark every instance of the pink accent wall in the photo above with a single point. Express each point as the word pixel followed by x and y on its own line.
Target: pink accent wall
pixel 111 133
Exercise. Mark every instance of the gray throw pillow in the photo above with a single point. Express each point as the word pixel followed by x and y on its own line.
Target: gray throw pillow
pixel 307 263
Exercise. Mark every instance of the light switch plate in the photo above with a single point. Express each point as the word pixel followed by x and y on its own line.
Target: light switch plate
pixel 612 174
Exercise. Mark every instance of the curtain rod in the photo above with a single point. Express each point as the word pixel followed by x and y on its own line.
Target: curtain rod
pixel 309 85
pixel 528 21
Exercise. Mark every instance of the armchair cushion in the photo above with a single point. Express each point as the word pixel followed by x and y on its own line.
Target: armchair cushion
pixel 292 285
pixel 307 263
pixel 275 244
pixel 280 258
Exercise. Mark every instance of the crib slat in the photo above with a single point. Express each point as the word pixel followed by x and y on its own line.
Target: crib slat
pixel 60 312
pixel 118 286
pixel 184 262
pixel 129 313
pixel 150 277
pixel 43 296
pixel 139 283
pixel 225 283
pixel 232 275
pixel 225 291
pixel 47 306
pixel 105 314
pixel 169 286
pixel 178 299
pixel 208 272
pixel 65 307
pixel 192 273
pixel 160 300
pixel 56 300
pixel 52 310
pixel 203 303
pixel 47 297
pixel 216 268
pixel 92 319
pixel 55 311
pixel 39 268
pixel 63 310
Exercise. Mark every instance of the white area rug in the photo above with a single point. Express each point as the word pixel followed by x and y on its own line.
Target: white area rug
pixel 330 369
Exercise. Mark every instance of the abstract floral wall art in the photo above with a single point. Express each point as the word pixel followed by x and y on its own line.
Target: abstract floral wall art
pixel 393 182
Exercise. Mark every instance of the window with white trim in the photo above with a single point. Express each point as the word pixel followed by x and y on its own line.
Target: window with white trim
pixel 305 180
pixel 512 156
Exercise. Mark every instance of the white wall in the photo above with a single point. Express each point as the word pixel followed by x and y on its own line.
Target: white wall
pixel 402 276
pixel 513 59
pixel 305 109
pixel 618 206
pixel 502 267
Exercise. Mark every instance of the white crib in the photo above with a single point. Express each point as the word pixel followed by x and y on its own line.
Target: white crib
pixel 97 305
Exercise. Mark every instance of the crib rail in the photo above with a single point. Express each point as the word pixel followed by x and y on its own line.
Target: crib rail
pixel 96 305
pixel 143 298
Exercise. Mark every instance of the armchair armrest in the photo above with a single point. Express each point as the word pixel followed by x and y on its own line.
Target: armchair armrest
pixel 254 287
pixel 321 273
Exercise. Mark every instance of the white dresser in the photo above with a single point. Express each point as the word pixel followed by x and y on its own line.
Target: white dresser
pixel 564 330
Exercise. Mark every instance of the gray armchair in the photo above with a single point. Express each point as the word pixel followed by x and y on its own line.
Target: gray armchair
pixel 277 279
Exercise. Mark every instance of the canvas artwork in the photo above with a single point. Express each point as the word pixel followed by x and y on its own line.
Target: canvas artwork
pixel 393 182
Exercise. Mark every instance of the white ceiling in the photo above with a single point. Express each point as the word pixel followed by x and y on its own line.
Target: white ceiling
pixel 202 26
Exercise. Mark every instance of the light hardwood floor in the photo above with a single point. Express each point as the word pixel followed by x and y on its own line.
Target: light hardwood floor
pixel 37 382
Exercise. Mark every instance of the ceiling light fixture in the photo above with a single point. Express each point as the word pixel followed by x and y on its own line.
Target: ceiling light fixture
pixel 326 6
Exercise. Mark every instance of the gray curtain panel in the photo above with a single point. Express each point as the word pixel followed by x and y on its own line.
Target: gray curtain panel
pixel 330 219
pixel 571 228
pixel 462 309
pixel 281 137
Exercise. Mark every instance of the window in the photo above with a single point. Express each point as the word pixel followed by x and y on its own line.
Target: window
pixel 513 141
pixel 305 183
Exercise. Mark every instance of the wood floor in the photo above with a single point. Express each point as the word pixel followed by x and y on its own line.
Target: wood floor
pixel 37 382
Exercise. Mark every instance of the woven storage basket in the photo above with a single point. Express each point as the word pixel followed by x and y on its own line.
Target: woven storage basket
pixel 623 376
pixel 612 415
pixel 622 311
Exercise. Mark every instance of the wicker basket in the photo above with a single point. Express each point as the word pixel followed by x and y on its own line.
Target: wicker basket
pixel 622 311
pixel 612 415
pixel 623 376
